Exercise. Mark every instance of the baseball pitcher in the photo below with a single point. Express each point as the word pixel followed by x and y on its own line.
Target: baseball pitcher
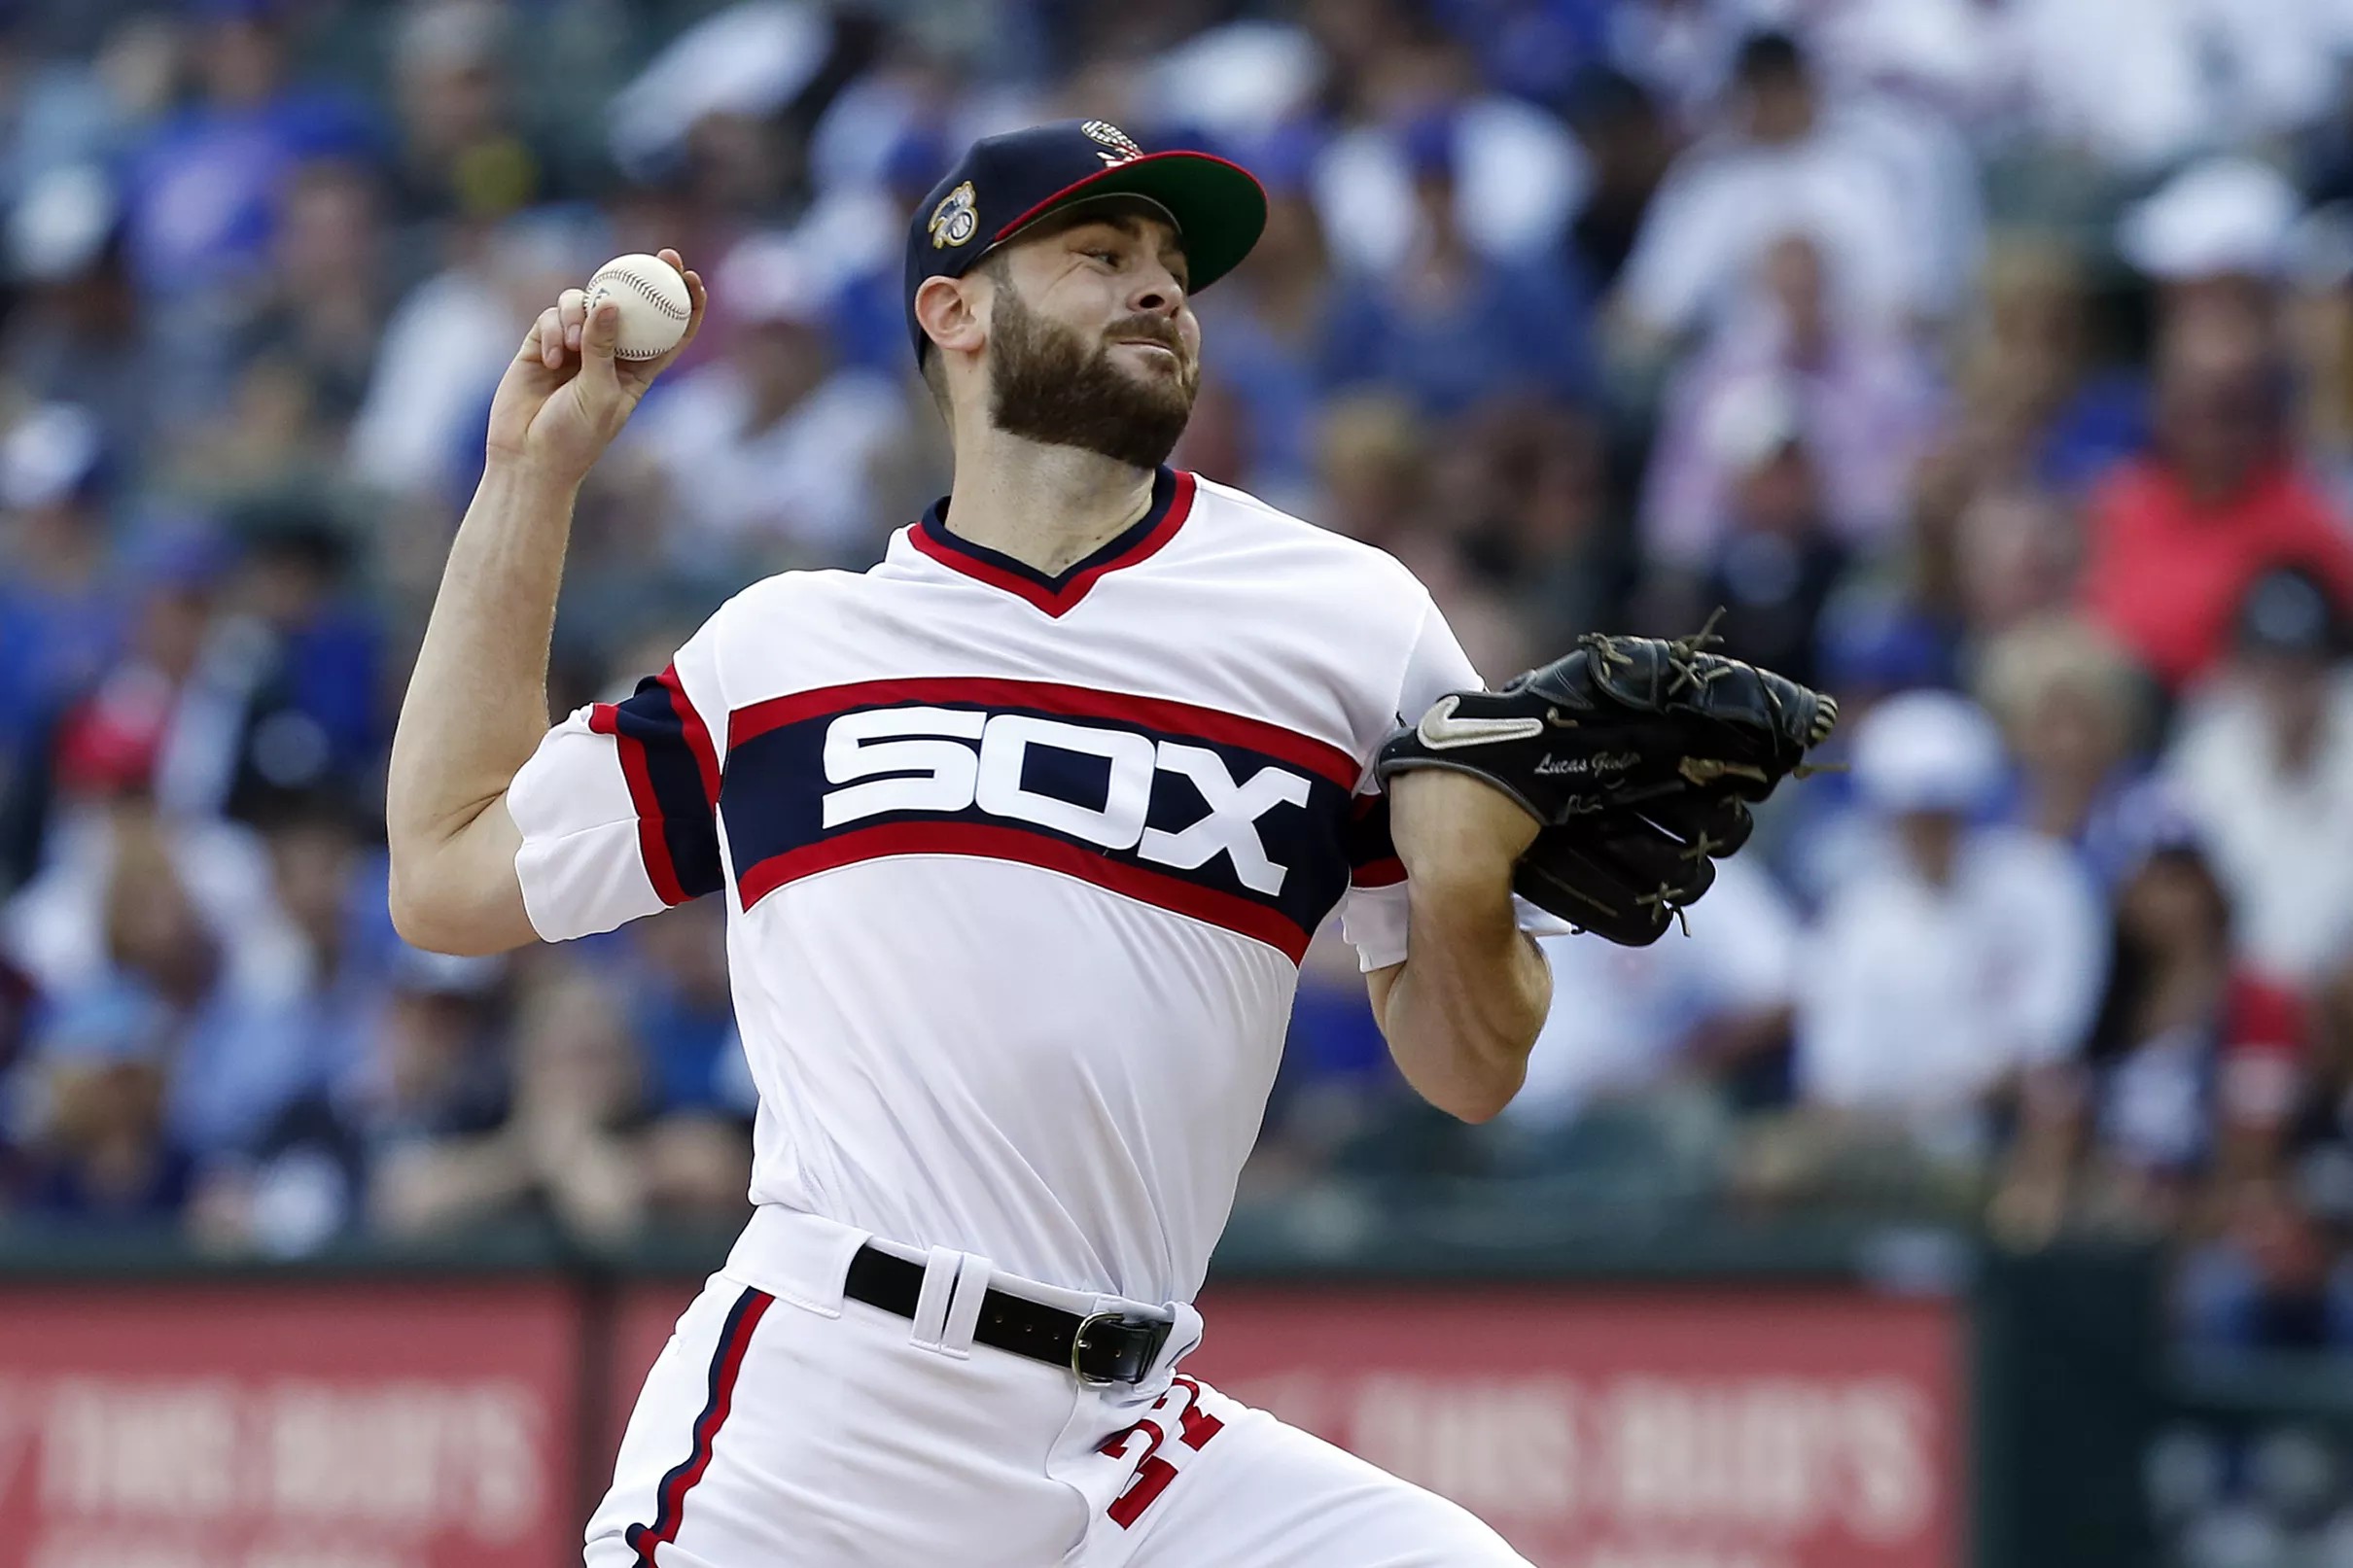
pixel 1022 833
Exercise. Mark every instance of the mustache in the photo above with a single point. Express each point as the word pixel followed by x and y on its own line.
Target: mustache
pixel 1151 329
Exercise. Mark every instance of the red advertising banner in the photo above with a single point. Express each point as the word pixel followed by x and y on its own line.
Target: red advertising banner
pixel 1706 1427
pixel 641 1321
pixel 1711 1427
pixel 344 1425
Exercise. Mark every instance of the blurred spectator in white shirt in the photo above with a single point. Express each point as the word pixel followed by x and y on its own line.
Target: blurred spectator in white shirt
pixel 1637 1038
pixel 772 449
pixel 2139 84
pixel 1867 400
pixel 1782 167
pixel 418 430
pixel 2262 762
pixel 1944 969
pixel 1910 81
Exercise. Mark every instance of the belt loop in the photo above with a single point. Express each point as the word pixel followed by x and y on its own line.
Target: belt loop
pixel 931 1305
pixel 964 1308
pixel 1184 1337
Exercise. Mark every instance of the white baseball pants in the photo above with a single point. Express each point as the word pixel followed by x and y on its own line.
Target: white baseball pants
pixel 786 1427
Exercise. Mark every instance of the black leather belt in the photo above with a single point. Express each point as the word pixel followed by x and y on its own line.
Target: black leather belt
pixel 1104 1349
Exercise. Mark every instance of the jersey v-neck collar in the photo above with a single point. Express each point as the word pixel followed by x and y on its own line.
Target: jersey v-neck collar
pixel 1058 594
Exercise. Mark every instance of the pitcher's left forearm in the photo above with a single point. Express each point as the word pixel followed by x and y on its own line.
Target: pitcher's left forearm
pixel 1462 1012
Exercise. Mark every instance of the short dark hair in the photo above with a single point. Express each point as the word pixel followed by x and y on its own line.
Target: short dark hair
pixel 1768 56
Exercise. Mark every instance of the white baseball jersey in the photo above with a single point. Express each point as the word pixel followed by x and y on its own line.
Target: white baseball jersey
pixel 1018 869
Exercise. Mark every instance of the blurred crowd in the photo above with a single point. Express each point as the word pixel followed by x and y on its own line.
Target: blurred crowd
pixel 1987 362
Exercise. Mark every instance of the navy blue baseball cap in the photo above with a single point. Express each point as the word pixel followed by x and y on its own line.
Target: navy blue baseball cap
pixel 1004 184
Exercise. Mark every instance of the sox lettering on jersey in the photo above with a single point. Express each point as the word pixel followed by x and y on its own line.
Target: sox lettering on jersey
pixel 928 774
pixel 1225 819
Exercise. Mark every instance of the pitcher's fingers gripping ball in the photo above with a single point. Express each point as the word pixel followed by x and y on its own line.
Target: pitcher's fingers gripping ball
pixel 1639 756
pixel 655 307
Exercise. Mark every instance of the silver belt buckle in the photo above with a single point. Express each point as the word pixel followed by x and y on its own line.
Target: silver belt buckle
pixel 1078 1344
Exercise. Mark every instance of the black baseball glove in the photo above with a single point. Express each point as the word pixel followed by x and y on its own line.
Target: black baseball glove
pixel 1639 758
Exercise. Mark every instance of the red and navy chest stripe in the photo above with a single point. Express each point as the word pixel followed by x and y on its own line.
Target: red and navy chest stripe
pixel 1232 821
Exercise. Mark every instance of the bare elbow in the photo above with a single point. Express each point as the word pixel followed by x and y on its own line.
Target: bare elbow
pixel 417 921
pixel 428 921
pixel 1477 1092
pixel 1481 1105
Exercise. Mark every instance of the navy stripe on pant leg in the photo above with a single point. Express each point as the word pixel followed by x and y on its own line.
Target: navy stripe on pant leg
pixel 727 1364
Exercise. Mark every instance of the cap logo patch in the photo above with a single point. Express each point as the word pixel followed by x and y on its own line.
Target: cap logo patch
pixel 1123 148
pixel 956 220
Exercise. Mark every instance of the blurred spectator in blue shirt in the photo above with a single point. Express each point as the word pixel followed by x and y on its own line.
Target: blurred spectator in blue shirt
pixel 681 1007
pixel 99 1156
pixel 287 1029
pixel 1448 325
pixel 2267 1282
pixel 1629 146
pixel 205 181
pixel 855 231
pixel 1335 1079
pixel 1408 96
pixel 1531 47
pixel 316 323
pixel 303 693
pixel 583 1142
pixel 73 335
pixel 695 1145
pixel 2039 400
pixel 435 1072
pixel 203 189
pixel 1262 331
pixel 1775 558
pixel 113 1138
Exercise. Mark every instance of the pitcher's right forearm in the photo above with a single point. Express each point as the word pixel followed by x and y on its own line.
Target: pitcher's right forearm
pixel 477 702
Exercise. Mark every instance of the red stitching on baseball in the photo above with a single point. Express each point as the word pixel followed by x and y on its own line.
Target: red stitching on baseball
pixel 644 288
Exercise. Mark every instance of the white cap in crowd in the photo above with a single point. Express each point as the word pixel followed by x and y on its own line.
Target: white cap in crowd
pixel 2218 216
pixel 747 60
pixel 1928 751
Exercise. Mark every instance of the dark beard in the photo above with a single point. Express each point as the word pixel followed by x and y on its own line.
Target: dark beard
pixel 1047 383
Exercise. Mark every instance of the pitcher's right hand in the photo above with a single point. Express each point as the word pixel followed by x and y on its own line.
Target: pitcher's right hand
pixel 565 396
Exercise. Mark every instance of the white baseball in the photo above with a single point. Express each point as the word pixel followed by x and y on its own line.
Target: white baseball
pixel 655 306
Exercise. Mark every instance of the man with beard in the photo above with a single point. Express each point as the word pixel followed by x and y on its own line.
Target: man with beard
pixel 1022 834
